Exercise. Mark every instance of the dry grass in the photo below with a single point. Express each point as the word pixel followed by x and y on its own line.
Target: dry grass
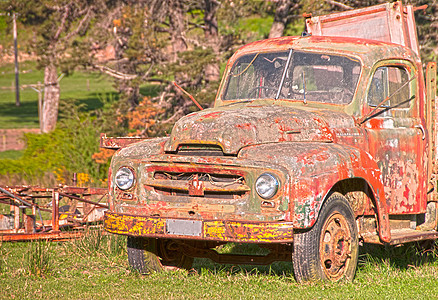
pixel 87 269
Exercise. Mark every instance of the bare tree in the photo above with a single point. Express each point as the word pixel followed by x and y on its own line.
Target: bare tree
pixel 212 38
pixel 282 17
pixel 57 24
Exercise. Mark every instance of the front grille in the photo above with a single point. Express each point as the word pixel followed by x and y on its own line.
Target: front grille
pixel 200 150
pixel 218 186
pixel 221 179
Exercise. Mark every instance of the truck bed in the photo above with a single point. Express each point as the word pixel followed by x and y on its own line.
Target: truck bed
pixel 389 22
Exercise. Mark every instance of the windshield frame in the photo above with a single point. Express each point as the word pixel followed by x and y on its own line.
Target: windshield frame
pixel 227 75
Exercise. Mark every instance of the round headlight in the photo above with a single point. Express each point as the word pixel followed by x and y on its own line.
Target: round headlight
pixel 124 178
pixel 266 186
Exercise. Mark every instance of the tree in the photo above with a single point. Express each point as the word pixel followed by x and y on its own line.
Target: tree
pixel 154 41
pixel 282 17
pixel 57 25
pixel 212 38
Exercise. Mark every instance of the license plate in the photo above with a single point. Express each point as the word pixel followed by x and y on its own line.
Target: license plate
pixel 184 227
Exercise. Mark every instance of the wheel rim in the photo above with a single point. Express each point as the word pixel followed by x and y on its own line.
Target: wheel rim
pixel 335 246
pixel 171 256
pixel 169 252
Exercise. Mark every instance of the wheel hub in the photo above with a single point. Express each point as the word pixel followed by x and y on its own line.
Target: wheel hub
pixel 335 246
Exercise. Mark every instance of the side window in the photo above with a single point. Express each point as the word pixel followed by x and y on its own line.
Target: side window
pixel 390 81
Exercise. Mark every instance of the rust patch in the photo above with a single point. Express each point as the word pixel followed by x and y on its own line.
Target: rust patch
pixel 226 231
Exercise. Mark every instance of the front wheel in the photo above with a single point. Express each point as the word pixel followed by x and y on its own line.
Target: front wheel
pixel 148 255
pixel 329 250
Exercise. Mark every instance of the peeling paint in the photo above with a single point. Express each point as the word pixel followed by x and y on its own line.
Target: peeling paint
pixel 206 170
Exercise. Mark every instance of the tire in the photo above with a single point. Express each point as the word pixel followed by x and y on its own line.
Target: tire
pixel 148 255
pixel 329 250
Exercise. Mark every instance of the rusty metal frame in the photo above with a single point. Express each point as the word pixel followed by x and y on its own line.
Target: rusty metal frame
pixel 212 230
pixel 118 142
pixel 28 225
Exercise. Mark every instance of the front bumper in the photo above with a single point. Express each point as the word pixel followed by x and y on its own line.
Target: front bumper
pixel 211 230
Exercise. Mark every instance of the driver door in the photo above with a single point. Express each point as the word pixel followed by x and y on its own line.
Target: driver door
pixel 397 137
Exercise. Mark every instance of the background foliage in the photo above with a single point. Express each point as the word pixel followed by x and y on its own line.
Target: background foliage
pixel 142 46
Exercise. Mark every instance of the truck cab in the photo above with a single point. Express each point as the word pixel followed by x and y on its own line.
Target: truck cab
pixel 314 144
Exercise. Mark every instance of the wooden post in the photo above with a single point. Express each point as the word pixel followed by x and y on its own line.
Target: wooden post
pixel 17 84
pixel 16 218
pixel 29 222
pixel 55 211
pixel 40 105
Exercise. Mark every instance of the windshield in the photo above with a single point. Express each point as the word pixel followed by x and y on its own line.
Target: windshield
pixel 293 75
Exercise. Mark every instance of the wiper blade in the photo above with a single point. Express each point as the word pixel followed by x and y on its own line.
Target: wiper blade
pixel 286 66
pixel 238 102
pixel 387 108
pixel 304 88
pixel 371 113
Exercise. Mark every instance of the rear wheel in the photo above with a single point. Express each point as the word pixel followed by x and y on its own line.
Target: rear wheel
pixel 148 255
pixel 329 250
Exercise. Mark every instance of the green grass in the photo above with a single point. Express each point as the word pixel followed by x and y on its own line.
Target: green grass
pixel 79 272
pixel 87 87
pixel 11 154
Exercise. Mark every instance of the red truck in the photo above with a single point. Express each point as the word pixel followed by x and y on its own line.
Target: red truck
pixel 315 145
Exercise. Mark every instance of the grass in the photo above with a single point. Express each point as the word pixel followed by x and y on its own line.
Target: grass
pixel 87 87
pixel 80 271
pixel 11 154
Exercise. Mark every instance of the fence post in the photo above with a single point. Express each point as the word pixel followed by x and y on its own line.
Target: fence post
pixel 40 105
pixel 55 211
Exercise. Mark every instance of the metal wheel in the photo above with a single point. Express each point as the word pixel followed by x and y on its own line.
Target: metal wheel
pixel 335 244
pixel 148 255
pixel 329 250
pixel 171 256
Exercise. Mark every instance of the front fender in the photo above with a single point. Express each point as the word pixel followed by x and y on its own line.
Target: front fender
pixel 131 156
pixel 314 169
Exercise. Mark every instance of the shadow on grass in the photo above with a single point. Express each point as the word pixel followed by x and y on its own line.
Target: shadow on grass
pixel 94 101
pixel 26 115
pixel 279 268
pixel 26 109
pixel 400 257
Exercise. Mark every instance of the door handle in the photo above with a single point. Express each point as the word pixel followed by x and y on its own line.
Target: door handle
pixel 422 130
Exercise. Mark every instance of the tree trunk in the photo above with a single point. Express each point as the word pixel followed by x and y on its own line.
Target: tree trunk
pixel 51 99
pixel 130 93
pixel 177 28
pixel 212 72
pixel 280 18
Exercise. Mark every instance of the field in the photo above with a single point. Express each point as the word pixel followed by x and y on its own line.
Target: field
pixel 87 88
pixel 96 267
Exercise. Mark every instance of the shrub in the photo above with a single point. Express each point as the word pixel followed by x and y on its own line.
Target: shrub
pixel 95 241
pixel 39 258
pixel 68 149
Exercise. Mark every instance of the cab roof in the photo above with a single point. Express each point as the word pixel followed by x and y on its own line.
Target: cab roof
pixel 369 51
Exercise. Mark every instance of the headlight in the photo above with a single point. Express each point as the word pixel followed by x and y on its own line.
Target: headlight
pixel 266 186
pixel 124 178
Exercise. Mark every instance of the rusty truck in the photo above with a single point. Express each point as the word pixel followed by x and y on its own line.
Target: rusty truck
pixel 315 145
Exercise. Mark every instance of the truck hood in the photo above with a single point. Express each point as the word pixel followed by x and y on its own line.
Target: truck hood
pixel 240 126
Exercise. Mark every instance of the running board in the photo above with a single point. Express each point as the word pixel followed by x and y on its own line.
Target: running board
pixel 401 236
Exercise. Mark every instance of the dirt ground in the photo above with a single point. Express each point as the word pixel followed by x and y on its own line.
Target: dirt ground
pixel 12 139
